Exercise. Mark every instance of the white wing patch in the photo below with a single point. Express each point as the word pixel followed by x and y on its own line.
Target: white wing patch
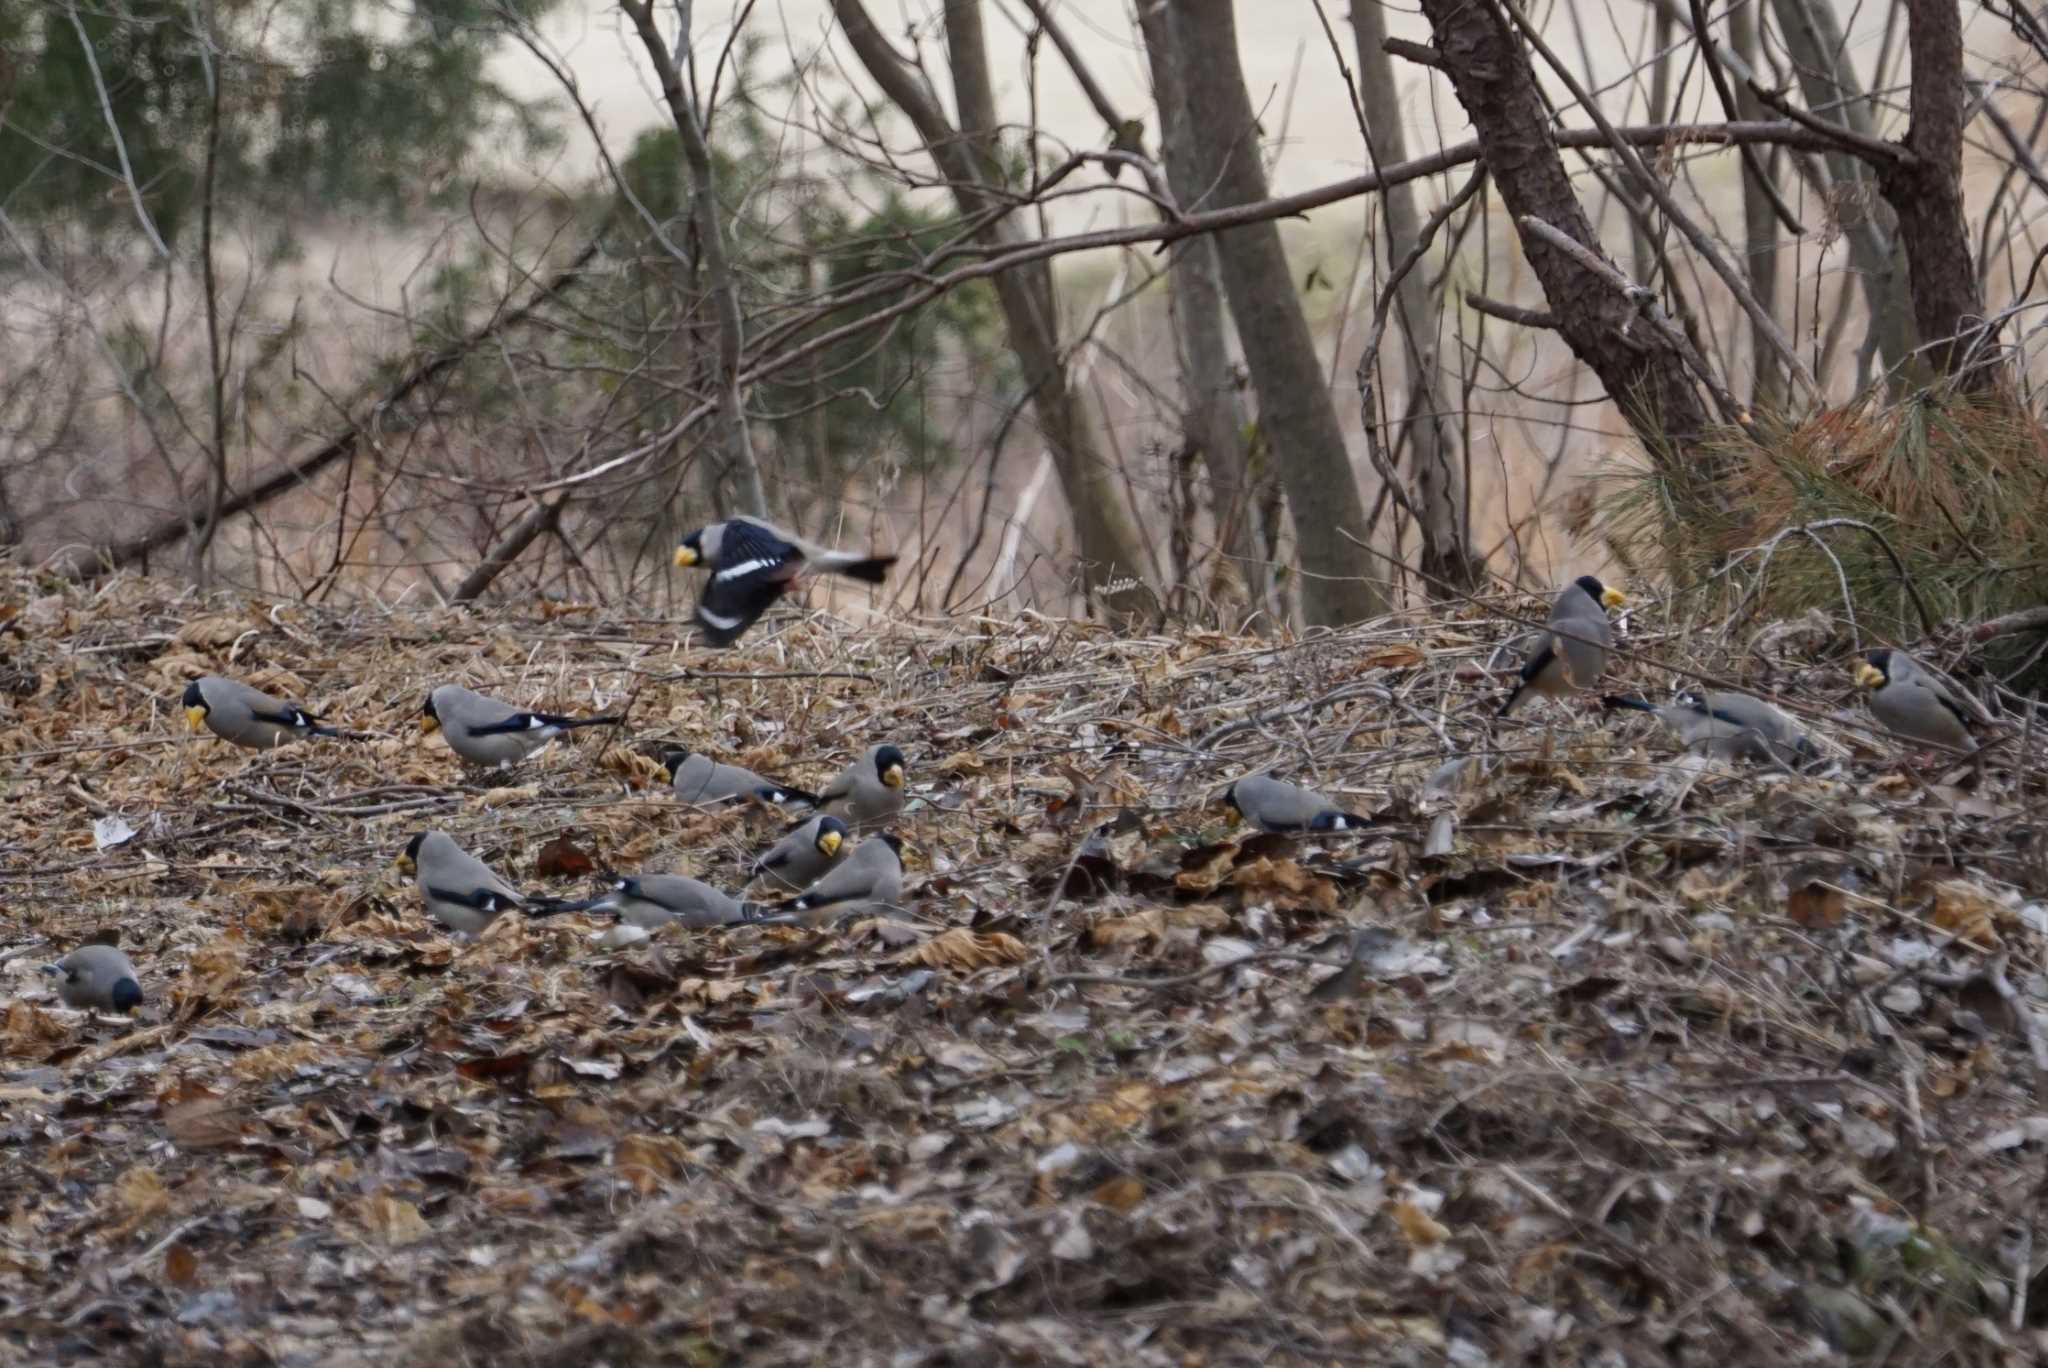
pixel 745 568
pixel 723 624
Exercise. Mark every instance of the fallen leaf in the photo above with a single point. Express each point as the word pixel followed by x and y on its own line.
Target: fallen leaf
pixel 966 951
pixel 392 1220
pixel 562 858
pixel 1423 1230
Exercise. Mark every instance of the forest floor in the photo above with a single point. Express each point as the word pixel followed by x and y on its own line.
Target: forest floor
pixel 1595 1054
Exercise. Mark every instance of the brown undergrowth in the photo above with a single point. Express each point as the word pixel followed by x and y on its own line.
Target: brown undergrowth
pixel 1594 1052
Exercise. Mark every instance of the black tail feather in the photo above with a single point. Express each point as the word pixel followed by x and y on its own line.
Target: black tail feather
pixel 1612 701
pixel 874 570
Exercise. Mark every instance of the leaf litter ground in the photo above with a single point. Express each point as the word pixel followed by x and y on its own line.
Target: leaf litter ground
pixel 1597 1054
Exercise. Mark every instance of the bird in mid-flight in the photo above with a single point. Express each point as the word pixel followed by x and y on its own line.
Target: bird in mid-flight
pixel 752 564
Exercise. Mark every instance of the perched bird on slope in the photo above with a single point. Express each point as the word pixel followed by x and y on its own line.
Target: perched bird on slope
pixel 1912 703
pixel 652 901
pixel 1728 726
pixel 460 891
pixel 805 852
pixel 869 792
pixel 484 731
pixel 753 564
pixel 697 778
pixel 870 880
pixel 248 717
pixel 97 976
pixel 1272 805
pixel 1573 652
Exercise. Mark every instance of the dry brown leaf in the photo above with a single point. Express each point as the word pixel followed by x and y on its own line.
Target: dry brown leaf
pixel 392 1220
pixel 204 1122
pixel 1143 926
pixel 1970 912
pixel 1209 874
pixel 142 1195
pixel 1423 1230
pixel 1119 1194
pixel 181 1266
pixel 501 797
pixel 1816 904
pixel 213 632
pixel 647 1161
pixel 966 951
pixel 961 762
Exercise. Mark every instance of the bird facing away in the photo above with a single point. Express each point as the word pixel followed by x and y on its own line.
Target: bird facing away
pixel 652 901
pixel 484 731
pixel 459 890
pixel 869 792
pixel 248 717
pixel 1912 703
pixel 1288 809
pixel 870 880
pixel 1573 651
pixel 752 564
pixel 699 779
pixel 99 977
pixel 805 852
pixel 1728 726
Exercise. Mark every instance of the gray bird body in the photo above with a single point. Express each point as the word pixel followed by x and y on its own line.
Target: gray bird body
pixel 248 717
pixel 752 564
pixel 699 779
pixel 869 792
pixel 1912 703
pixel 98 977
pixel 1274 805
pixel 460 891
pixel 1572 653
pixel 652 901
pixel 869 880
pixel 484 731
pixel 805 852
pixel 1729 726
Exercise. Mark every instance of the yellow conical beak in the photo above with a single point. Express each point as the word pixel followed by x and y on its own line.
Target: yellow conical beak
pixel 893 776
pixel 829 842
pixel 685 557
pixel 195 717
pixel 429 725
pixel 1613 598
pixel 1868 676
pixel 405 864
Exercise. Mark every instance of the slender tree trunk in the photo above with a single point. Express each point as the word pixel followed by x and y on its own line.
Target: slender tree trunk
pixel 1760 229
pixel 1337 580
pixel 1813 37
pixel 1108 539
pixel 1927 195
pixel 725 300
pixel 1448 561
pixel 1212 417
pixel 1642 372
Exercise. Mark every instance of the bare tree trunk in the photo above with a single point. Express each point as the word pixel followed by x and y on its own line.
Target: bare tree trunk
pixel 216 377
pixel 1212 417
pixel 1295 410
pixel 725 300
pixel 1812 39
pixel 1108 540
pixel 1640 368
pixel 1927 195
pixel 544 516
pixel 1448 561
pixel 1768 390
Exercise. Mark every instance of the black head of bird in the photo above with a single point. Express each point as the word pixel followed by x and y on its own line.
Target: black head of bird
pixel 831 835
pixel 673 761
pixel 1229 800
pixel 1876 670
pixel 889 765
pixel 408 859
pixel 893 841
pixel 430 719
pixel 195 705
pixel 1600 593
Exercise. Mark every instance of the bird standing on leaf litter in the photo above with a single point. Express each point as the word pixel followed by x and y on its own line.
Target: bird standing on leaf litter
pixel 1728 726
pixel 460 891
pixel 699 779
pixel 248 717
pixel 97 976
pixel 869 792
pixel 753 564
pixel 652 901
pixel 1288 809
pixel 484 731
pixel 806 851
pixel 870 880
pixel 1912 703
pixel 1573 652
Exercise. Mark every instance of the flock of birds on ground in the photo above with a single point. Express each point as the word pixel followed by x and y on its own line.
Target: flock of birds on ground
pixel 823 871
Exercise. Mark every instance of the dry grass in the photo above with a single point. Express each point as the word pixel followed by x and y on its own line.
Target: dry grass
pixel 1634 1058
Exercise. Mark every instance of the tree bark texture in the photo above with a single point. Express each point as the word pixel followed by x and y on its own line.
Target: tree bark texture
pixel 1641 371
pixel 1108 539
pixel 1212 419
pixel 1296 414
pixel 1438 492
pixel 1927 195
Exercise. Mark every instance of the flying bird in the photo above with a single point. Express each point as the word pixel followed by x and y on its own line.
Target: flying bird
pixel 752 564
